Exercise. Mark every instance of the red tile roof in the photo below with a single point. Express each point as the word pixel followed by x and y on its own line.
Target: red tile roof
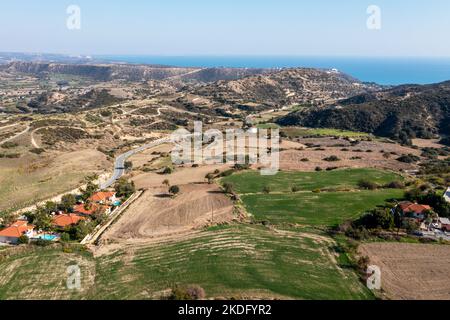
pixel 92 208
pixel 414 208
pixel 65 220
pixel 16 230
pixel 101 196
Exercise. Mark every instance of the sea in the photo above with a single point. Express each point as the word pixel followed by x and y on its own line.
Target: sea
pixel 385 71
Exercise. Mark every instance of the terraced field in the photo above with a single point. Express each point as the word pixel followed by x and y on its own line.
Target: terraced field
pixel 335 197
pixel 233 261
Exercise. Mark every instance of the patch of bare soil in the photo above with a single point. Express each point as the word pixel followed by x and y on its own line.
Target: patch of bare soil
pixel 411 271
pixel 181 176
pixel 427 143
pixel 373 154
pixel 155 215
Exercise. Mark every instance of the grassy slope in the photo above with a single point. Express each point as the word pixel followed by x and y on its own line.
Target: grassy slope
pixel 328 208
pixel 306 207
pixel 228 261
pixel 254 182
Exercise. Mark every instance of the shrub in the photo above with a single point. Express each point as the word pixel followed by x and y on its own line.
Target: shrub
pixel 65 237
pixel 332 159
pixel 395 185
pixel 23 239
pixel 9 145
pixel 267 189
pixel 37 150
pixel 187 293
pixel 295 189
pixel 408 158
pixel 367 185
pixel 229 188
pixel 167 170
pixel 318 169
pixel 174 190
pixel 304 160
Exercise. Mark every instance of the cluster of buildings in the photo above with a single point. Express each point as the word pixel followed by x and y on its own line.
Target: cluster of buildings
pixel 99 203
pixel 424 216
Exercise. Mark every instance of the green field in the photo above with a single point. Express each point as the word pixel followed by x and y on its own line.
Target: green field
pixel 340 201
pixel 254 182
pixel 327 208
pixel 325 132
pixel 227 262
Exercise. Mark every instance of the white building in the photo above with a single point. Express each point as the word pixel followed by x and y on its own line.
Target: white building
pixel 447 195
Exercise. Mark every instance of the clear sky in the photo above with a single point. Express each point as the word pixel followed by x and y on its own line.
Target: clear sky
pixel 227 27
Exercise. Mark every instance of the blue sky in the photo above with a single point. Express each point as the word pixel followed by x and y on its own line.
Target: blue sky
pixel 227 27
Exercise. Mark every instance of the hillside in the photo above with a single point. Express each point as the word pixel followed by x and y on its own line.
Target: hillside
pixel 402 112
pixel 109 72
pixel 285 87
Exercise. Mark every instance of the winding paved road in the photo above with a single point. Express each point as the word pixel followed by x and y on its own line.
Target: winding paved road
pixel 119 165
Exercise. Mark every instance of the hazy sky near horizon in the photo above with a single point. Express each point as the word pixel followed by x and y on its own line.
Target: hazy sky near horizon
pixel 227 27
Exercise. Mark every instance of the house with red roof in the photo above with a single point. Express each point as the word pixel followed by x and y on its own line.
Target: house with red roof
pixel 12 233
pixel 103 197
pixel 90 209
pixel 414 210
pixel 65 220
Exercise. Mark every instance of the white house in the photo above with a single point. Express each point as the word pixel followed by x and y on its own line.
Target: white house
pixel 447 195
pixel 12 233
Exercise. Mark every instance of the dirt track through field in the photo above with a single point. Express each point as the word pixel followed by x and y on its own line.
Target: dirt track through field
pixel 412 271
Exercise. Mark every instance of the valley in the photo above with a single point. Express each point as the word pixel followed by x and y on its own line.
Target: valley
pixel 347 149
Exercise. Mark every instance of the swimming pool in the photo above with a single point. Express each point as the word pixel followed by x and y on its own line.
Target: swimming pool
pixel 47 237
pixel 117 203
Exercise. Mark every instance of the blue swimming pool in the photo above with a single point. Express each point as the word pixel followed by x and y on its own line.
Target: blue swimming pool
pixel 47 237
pixel 117 203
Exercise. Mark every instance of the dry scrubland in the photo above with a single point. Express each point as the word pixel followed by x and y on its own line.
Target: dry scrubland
pixel 411 271
pixel 30 179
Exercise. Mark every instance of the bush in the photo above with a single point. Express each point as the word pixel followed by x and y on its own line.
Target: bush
pixel 65 237
pixel 295 189
pixel 267 189
pixel 395 185
pixel 332 159
pixel 23 239
pixel 408 158
pixel 367 185
pixel 167 170
pixel 9 145
pixel 37 150
pixel 174 190
pixel 194 292
pixel 229 188
pixel 318 169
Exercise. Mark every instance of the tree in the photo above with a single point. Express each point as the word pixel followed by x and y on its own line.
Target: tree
pixel 8 219
pixel 124 188
pixel 174 190
pixel 42 220
pixel 90 189
pixel 67 202
pixel 378 218
pixel 128 165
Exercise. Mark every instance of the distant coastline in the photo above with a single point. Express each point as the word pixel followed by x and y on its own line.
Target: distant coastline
pixel 387 71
